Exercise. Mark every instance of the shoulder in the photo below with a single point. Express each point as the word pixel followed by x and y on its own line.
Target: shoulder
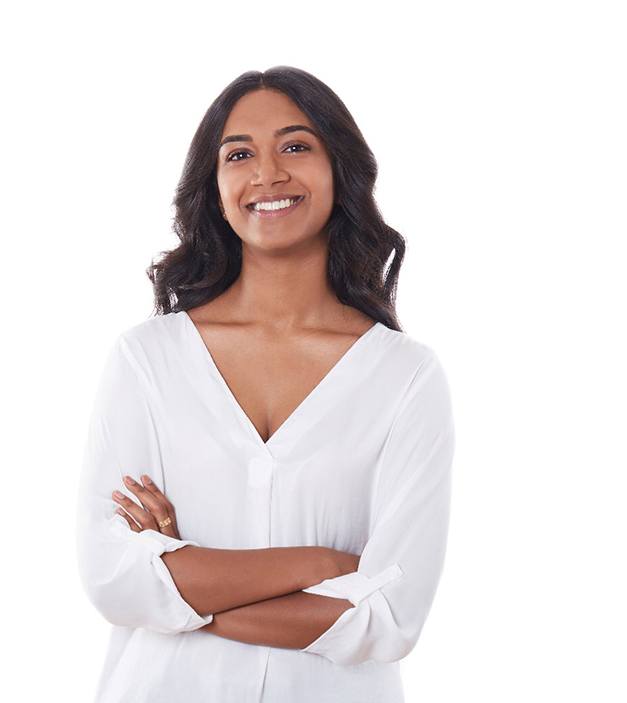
pixel 406 349
pixel 150 330
pixel 419 366
pixel 146 343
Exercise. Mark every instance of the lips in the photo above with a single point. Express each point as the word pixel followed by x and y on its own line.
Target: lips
pixel 298 198
pixel 276 214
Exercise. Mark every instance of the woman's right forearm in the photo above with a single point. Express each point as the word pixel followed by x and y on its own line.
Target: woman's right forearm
pixel 213 580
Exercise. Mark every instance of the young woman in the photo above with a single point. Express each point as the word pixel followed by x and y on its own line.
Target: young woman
pixel 264 501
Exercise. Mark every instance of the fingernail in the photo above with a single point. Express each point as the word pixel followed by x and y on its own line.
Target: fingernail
pixel 146 479
pixel 117 494
pixel 128 479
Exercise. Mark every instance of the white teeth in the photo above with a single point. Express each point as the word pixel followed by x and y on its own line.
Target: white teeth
pixel 275 204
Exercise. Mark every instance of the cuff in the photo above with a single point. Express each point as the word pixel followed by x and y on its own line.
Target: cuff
pixel 355 586
pixel 158 543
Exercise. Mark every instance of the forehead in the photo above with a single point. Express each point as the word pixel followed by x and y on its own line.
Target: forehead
pixel 263 111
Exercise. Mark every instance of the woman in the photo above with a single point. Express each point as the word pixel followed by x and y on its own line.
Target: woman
pixel 289 447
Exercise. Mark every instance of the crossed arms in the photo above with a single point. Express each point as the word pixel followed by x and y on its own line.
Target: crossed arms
pixel 255 595
pixel 294 597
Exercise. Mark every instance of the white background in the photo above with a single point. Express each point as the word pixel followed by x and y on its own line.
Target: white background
pixel 499 129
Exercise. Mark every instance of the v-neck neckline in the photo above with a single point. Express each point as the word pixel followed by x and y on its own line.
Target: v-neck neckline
pixel 307 400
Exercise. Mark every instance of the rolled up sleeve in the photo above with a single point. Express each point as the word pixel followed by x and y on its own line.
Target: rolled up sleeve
pixel 400 566
pixel 121 571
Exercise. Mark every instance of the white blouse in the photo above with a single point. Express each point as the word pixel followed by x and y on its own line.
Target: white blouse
pixel 362 465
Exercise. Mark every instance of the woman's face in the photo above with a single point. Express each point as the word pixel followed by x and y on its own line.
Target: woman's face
pixel 262 164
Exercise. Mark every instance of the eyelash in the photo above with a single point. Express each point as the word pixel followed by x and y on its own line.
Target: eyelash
pixel 243 151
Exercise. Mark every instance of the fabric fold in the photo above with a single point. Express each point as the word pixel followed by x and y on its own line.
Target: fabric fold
pixel 355 586
pixel 400 566
pixel 121 571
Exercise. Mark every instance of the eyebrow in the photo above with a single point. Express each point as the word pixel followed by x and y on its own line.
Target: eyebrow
pixel 278 133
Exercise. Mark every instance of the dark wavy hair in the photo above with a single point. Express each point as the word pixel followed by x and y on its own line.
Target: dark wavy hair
pixel 208 259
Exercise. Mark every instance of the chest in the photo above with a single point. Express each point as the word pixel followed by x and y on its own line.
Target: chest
pixel 270 442
pixel 269 378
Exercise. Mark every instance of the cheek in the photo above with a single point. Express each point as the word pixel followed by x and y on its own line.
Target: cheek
pixel 230 190
pixel 328 185
pixel 230 182
pixel 321 182
pixel 328 181
pixel 327 196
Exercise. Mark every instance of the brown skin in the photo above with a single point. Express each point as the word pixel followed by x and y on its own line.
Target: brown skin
pixel 268 610
pixel 274 334
pixel 279 328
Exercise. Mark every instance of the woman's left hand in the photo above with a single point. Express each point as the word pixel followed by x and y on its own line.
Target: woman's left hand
pixel 156 507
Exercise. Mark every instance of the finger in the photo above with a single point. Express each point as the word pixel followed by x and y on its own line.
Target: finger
pixel 152 487
pixel 131 523
pixel 172 529
pixel 154 508
pixel 149 500
pixel 142 517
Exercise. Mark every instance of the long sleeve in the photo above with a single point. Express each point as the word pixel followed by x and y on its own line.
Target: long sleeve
pixel 122 571
pixel 400 566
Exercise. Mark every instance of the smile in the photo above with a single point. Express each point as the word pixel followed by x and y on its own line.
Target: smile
pixel 282 212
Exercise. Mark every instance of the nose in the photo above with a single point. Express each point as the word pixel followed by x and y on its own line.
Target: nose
pixel 268 171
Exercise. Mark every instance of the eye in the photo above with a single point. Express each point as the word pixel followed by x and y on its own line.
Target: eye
pixel 235 153
pixel 303 147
